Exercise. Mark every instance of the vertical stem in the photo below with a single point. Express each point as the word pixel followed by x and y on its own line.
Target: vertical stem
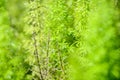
pixel 37 55
pixel 47 57
pixel 39 25
pixel 61 62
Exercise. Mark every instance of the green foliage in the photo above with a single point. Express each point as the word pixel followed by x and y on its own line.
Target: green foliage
pixel 59 40
pixel 101 42
pixel 12 55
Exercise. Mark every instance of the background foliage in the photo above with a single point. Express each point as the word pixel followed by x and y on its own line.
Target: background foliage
pixel 59 40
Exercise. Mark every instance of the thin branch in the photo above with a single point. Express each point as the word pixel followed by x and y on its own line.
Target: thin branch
pixel 37 55
pixel 61 62
pixel 47 56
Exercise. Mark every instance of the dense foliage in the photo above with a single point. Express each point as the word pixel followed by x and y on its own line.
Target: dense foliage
pixel 60 40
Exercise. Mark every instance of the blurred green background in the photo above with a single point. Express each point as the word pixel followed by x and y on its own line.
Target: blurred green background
pixel 74 39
